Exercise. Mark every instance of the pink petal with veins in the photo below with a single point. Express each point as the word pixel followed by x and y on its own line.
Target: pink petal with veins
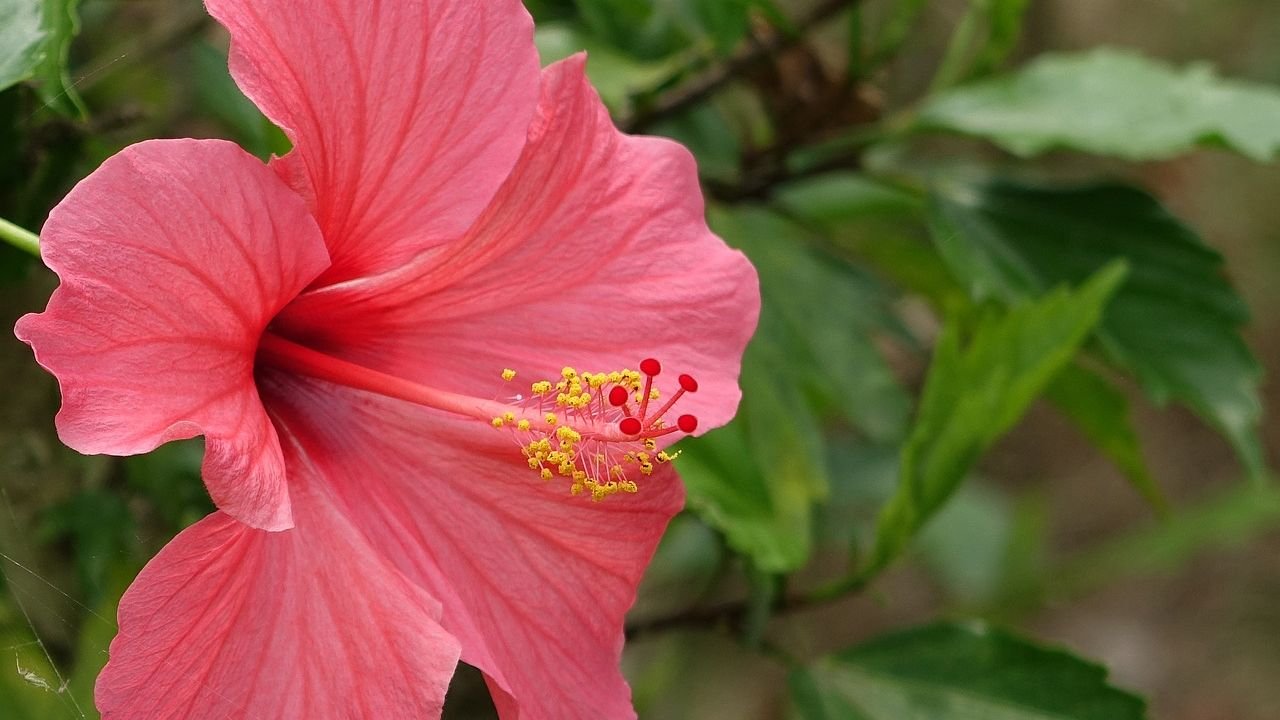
pixel 232 622
pixel 534 582
pixel 595 253
pixel 406 116
pixel 173 257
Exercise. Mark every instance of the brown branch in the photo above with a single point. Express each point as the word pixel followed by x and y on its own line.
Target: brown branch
pixel 745 59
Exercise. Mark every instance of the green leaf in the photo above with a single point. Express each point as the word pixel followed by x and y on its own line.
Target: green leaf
pixel 61 24
pixel 221 98
pixel 615 75
pixel 756 479
pixel 983 38
pixel 1112 102
pixel 22 40
pixel 826 315
pixel 1176 322
pixel 958 672
pixel 1102 413
pixel 1004 28
pixel 35 36
pixel 641 28
pixel 975 394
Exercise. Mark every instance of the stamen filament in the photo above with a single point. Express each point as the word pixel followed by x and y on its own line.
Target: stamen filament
pixel 288 355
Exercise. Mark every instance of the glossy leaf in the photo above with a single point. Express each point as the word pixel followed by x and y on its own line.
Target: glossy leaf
pixel 976 392
pixel 1112 102
pixel 958 672
pixel 1176 321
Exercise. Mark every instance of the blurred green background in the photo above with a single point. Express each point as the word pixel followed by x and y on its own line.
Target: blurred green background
pixel 799 113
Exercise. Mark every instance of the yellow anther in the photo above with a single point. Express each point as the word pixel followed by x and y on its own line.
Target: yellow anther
pixel 653 393
pixel 524 425
pixel 568 435
pixel 508 374
pixel 576 489
pixel 542 387
pixel 568 373
pixel 534 464
pixel 546 474
pixel 629 486
pixel 498 422
pixel 509 417
pixel 597 381
pixel 646 468
pixel 562 399
pixel 579 475
pixel 566 469
pixel 663 457
pixel 551 418
pixel 617 471
pixel 562 386
pixel 650 444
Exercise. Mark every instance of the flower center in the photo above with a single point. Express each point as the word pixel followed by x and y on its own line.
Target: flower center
pixel 598 430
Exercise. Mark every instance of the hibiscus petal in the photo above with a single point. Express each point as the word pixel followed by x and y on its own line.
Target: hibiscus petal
pixel 173 256
pixel 406 116
pixel 534 582
pixel 595 253
pixel 232 622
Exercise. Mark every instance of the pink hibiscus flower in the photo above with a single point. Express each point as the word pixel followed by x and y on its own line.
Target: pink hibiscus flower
pixel 337 325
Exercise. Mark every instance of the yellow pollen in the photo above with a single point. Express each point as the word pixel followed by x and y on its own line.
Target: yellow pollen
pixel 572 428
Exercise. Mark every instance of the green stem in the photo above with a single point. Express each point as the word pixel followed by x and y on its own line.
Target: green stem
pixel 20 238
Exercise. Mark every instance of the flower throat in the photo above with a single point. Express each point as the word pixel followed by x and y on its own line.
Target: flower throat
pixel 598 431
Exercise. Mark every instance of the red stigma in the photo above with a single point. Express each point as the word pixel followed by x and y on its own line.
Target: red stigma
pixel 630 426
pixel 618 396
pixel 688 384
pixel 687 423
pixel 650 367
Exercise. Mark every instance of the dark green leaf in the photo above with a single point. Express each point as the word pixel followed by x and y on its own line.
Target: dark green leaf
pixel 1102 413
pixel 1175 323
pixel 827 317
pixel 615 75
pixel 974 394
pixel 641 28
pixel 1112 102
pixel 959 672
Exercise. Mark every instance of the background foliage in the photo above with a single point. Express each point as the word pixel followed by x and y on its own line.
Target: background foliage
pixel 1004 411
